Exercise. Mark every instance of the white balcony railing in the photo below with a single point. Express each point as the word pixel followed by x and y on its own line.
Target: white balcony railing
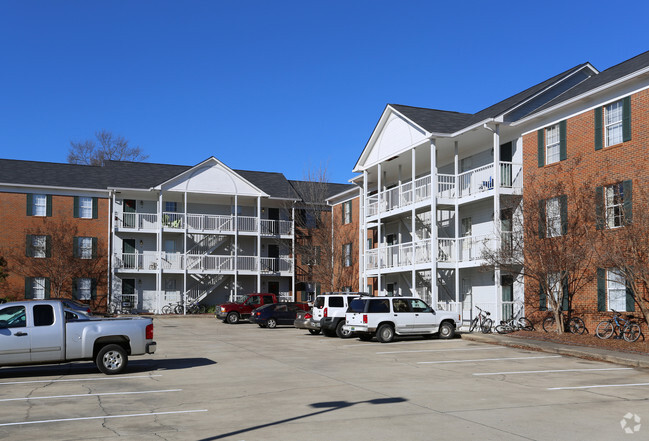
pixel 209 263
pixel 137 221
pixel 448 186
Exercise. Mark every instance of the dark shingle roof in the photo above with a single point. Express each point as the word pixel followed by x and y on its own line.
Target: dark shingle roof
pixel 273 184
pixel 143 175
pixel 318 192
pixel 49 174
pixel 607 76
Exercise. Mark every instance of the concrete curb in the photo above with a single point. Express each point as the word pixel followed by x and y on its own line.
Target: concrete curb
pixel 622 358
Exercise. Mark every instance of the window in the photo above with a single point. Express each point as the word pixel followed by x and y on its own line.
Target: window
pixel 39 288
pixel 615 290
pixel 40 205
pixel 347 254
pixel 554 283
pixel 347 212
pixel 13 317
pixel 336 302
pixel 37 246
pixel 83 289
pixel 85 208
pixel 614 202
pixel 613 123
pixel 43 315
pixel 171 207
pixel 85 247
pixel 552 144
pixel 553 217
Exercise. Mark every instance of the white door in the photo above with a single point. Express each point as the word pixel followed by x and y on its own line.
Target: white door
pixel 467 246
pixel 14 335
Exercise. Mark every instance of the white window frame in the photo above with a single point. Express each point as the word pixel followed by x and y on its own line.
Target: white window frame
pixel 615 290
pixel 39 247
pixel 614 205
pixel 347 212
pixel 347 255
pixel 39 205
pixel 84 289
pixel 552 144
pixel 613 130
pixel 38 288
pixel 554 282
pixel 85 247
pixel 553 217
pixel 85 207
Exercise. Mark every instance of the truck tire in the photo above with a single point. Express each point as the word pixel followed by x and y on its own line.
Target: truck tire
pixel 340 332
pixel 385 333
pixel 446 330
pixel 233 318
pixel 111 359
pixel 271 323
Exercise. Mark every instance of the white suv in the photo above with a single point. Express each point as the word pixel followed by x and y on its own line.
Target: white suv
pixel 329 311
pixel 386 317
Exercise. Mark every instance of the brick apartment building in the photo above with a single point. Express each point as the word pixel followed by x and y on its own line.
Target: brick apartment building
pixel 345 241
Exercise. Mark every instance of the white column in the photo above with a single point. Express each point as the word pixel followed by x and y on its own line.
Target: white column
pixel 456 168
pixel 185 248
pixel 236 245
pixel 413 224
pixel 433 224
pixel 293 253
pixel 363 219
pixel 378 229
pixel 258 243
pixel 496 147
pixel 158 281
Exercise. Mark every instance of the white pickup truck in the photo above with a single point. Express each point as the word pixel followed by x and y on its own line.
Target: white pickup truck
pixel 44 331
pixel 386 317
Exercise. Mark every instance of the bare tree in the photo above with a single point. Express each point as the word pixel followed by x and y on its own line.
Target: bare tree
pixel 3 269
pixel 549 241
pixel 53 252
pixel 106 147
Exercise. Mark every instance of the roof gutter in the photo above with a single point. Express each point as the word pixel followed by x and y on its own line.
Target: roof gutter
pixel 54 187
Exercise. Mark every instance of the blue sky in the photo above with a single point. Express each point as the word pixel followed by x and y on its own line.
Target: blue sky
pixel 283 86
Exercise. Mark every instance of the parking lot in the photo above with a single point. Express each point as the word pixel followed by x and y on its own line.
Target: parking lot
pixel 211 381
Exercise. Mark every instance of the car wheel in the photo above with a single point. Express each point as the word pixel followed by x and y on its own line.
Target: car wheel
pixel 271 323
pixel 385 333
pixel 314 331
pixel 446 330
pixel 340 332
pixel 233 318
pixel 111 359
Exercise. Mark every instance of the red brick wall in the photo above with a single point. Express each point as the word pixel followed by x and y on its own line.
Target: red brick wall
pixel 628 160
pixel 15 225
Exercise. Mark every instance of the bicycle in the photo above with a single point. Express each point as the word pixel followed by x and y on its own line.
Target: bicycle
pixel 193 307
pixel 481 321
pixel 575 325
pixel 511 325
pixel 621 328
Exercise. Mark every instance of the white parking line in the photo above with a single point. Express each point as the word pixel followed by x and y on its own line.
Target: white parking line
pixel 90 395
pixel 485 359
pixel 79 379
pixel 104 417
pixel 441 350
pixel 598 385
pixel 552 370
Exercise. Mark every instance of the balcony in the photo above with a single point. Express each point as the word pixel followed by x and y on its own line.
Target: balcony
pixel 408 254
pixel 203 223
pixel 469 183
pixel 151 261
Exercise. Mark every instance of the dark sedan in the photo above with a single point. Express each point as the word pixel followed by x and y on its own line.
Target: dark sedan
pixel 284 313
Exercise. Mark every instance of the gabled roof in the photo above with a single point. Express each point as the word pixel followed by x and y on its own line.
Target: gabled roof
pixel 141 175
pixel 432 120
pixel 318 192
pixel 609 75
pixel 50 174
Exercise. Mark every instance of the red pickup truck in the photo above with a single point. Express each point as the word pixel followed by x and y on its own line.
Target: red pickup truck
pixel 232 312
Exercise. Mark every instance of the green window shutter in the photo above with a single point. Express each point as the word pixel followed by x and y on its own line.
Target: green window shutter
pixel 630 299
pixel 48 246
pixel 75 247
pixel 599 208
pixel 76 207
pixel 540 136
pixel 95 208
pixel 93 291
pixel 29 252
pixel 48 206
pixel 343 212
pixel 601 289
pixel 565 304
pixel 542 226
pixel 94 247
pixel 30 204
pixel 543 304
pixel 75 288
pixel 563 207
pixel 599 122
pixel 626 119
pixel 29 291
pixel 563 148
pixel 627 188
pixel 47 288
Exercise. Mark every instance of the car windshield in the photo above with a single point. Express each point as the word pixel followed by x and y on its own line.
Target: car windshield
pixel 356 305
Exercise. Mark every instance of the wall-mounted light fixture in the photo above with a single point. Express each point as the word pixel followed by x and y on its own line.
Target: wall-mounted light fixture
pixel 141 243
